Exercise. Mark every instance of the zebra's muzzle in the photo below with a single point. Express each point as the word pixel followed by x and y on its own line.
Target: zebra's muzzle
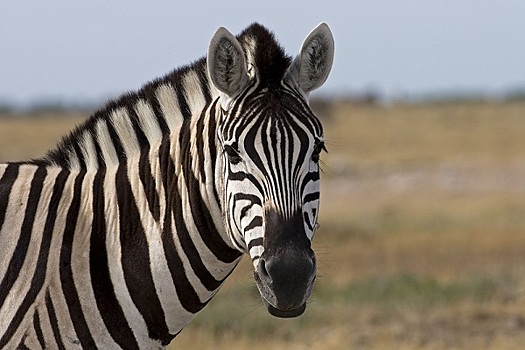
pixel 287 268
pixel 285 282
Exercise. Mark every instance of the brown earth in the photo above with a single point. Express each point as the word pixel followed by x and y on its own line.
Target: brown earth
pixel 422 238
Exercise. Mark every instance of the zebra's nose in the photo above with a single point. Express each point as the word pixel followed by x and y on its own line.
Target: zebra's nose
pixel 289 277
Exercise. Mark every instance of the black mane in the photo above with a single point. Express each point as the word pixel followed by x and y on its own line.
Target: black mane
pixel 269 57
pixel 261 48
pixel 59 155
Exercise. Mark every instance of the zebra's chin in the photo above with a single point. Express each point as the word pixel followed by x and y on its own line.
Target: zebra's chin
pixel 284 313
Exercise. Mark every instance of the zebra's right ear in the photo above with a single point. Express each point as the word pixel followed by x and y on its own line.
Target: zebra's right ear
pixel 226 63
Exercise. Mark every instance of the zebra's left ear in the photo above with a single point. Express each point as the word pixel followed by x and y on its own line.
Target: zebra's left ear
pixel 313 64
pixel 226 63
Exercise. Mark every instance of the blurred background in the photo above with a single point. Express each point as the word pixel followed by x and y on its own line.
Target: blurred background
pixel 422 237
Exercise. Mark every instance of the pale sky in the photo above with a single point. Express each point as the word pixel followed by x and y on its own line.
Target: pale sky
pixel 73 50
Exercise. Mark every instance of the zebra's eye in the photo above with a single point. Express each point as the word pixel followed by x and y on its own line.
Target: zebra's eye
pixel 317 151
pixel 232 153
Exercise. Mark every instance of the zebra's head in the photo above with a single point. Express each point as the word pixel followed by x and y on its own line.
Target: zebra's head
pixel 271 143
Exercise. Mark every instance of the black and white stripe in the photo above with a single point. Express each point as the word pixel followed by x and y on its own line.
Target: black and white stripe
pixel 120 235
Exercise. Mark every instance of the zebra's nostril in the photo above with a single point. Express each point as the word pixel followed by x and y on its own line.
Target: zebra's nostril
pixel 262 269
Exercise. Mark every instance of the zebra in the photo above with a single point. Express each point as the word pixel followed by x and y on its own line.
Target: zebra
pixel 125 230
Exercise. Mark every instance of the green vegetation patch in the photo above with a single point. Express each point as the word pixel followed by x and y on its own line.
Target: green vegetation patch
pixel 407 290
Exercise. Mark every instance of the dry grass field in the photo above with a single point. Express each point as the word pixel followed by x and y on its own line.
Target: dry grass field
pixel 422 238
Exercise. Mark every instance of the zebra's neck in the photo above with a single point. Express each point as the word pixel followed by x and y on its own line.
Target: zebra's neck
pixel 197 255
pixel 136 121
pixel 150 160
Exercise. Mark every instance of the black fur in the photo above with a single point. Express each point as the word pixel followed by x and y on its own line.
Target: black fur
pixel 270 59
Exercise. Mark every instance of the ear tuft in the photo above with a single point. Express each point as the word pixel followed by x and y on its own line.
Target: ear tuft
pixel 313 64
pixel 226 63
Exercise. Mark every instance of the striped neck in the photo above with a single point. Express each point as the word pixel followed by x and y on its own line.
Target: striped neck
pixel 158 148
pixel 136 122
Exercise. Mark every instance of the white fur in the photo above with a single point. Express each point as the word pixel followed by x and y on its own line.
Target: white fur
pixel 106 144
pixel 89 152
pixel 193 92
pixel 125 132
pixel 148 122
pixel 169 105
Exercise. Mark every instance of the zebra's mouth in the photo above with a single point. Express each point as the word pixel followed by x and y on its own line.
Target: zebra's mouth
pixel 284 313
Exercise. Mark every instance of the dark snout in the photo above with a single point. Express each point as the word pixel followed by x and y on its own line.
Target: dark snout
pixel 287 280
pixel 287 268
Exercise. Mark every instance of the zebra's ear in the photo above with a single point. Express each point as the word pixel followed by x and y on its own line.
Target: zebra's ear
pixel 226 63
pixel 313 64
